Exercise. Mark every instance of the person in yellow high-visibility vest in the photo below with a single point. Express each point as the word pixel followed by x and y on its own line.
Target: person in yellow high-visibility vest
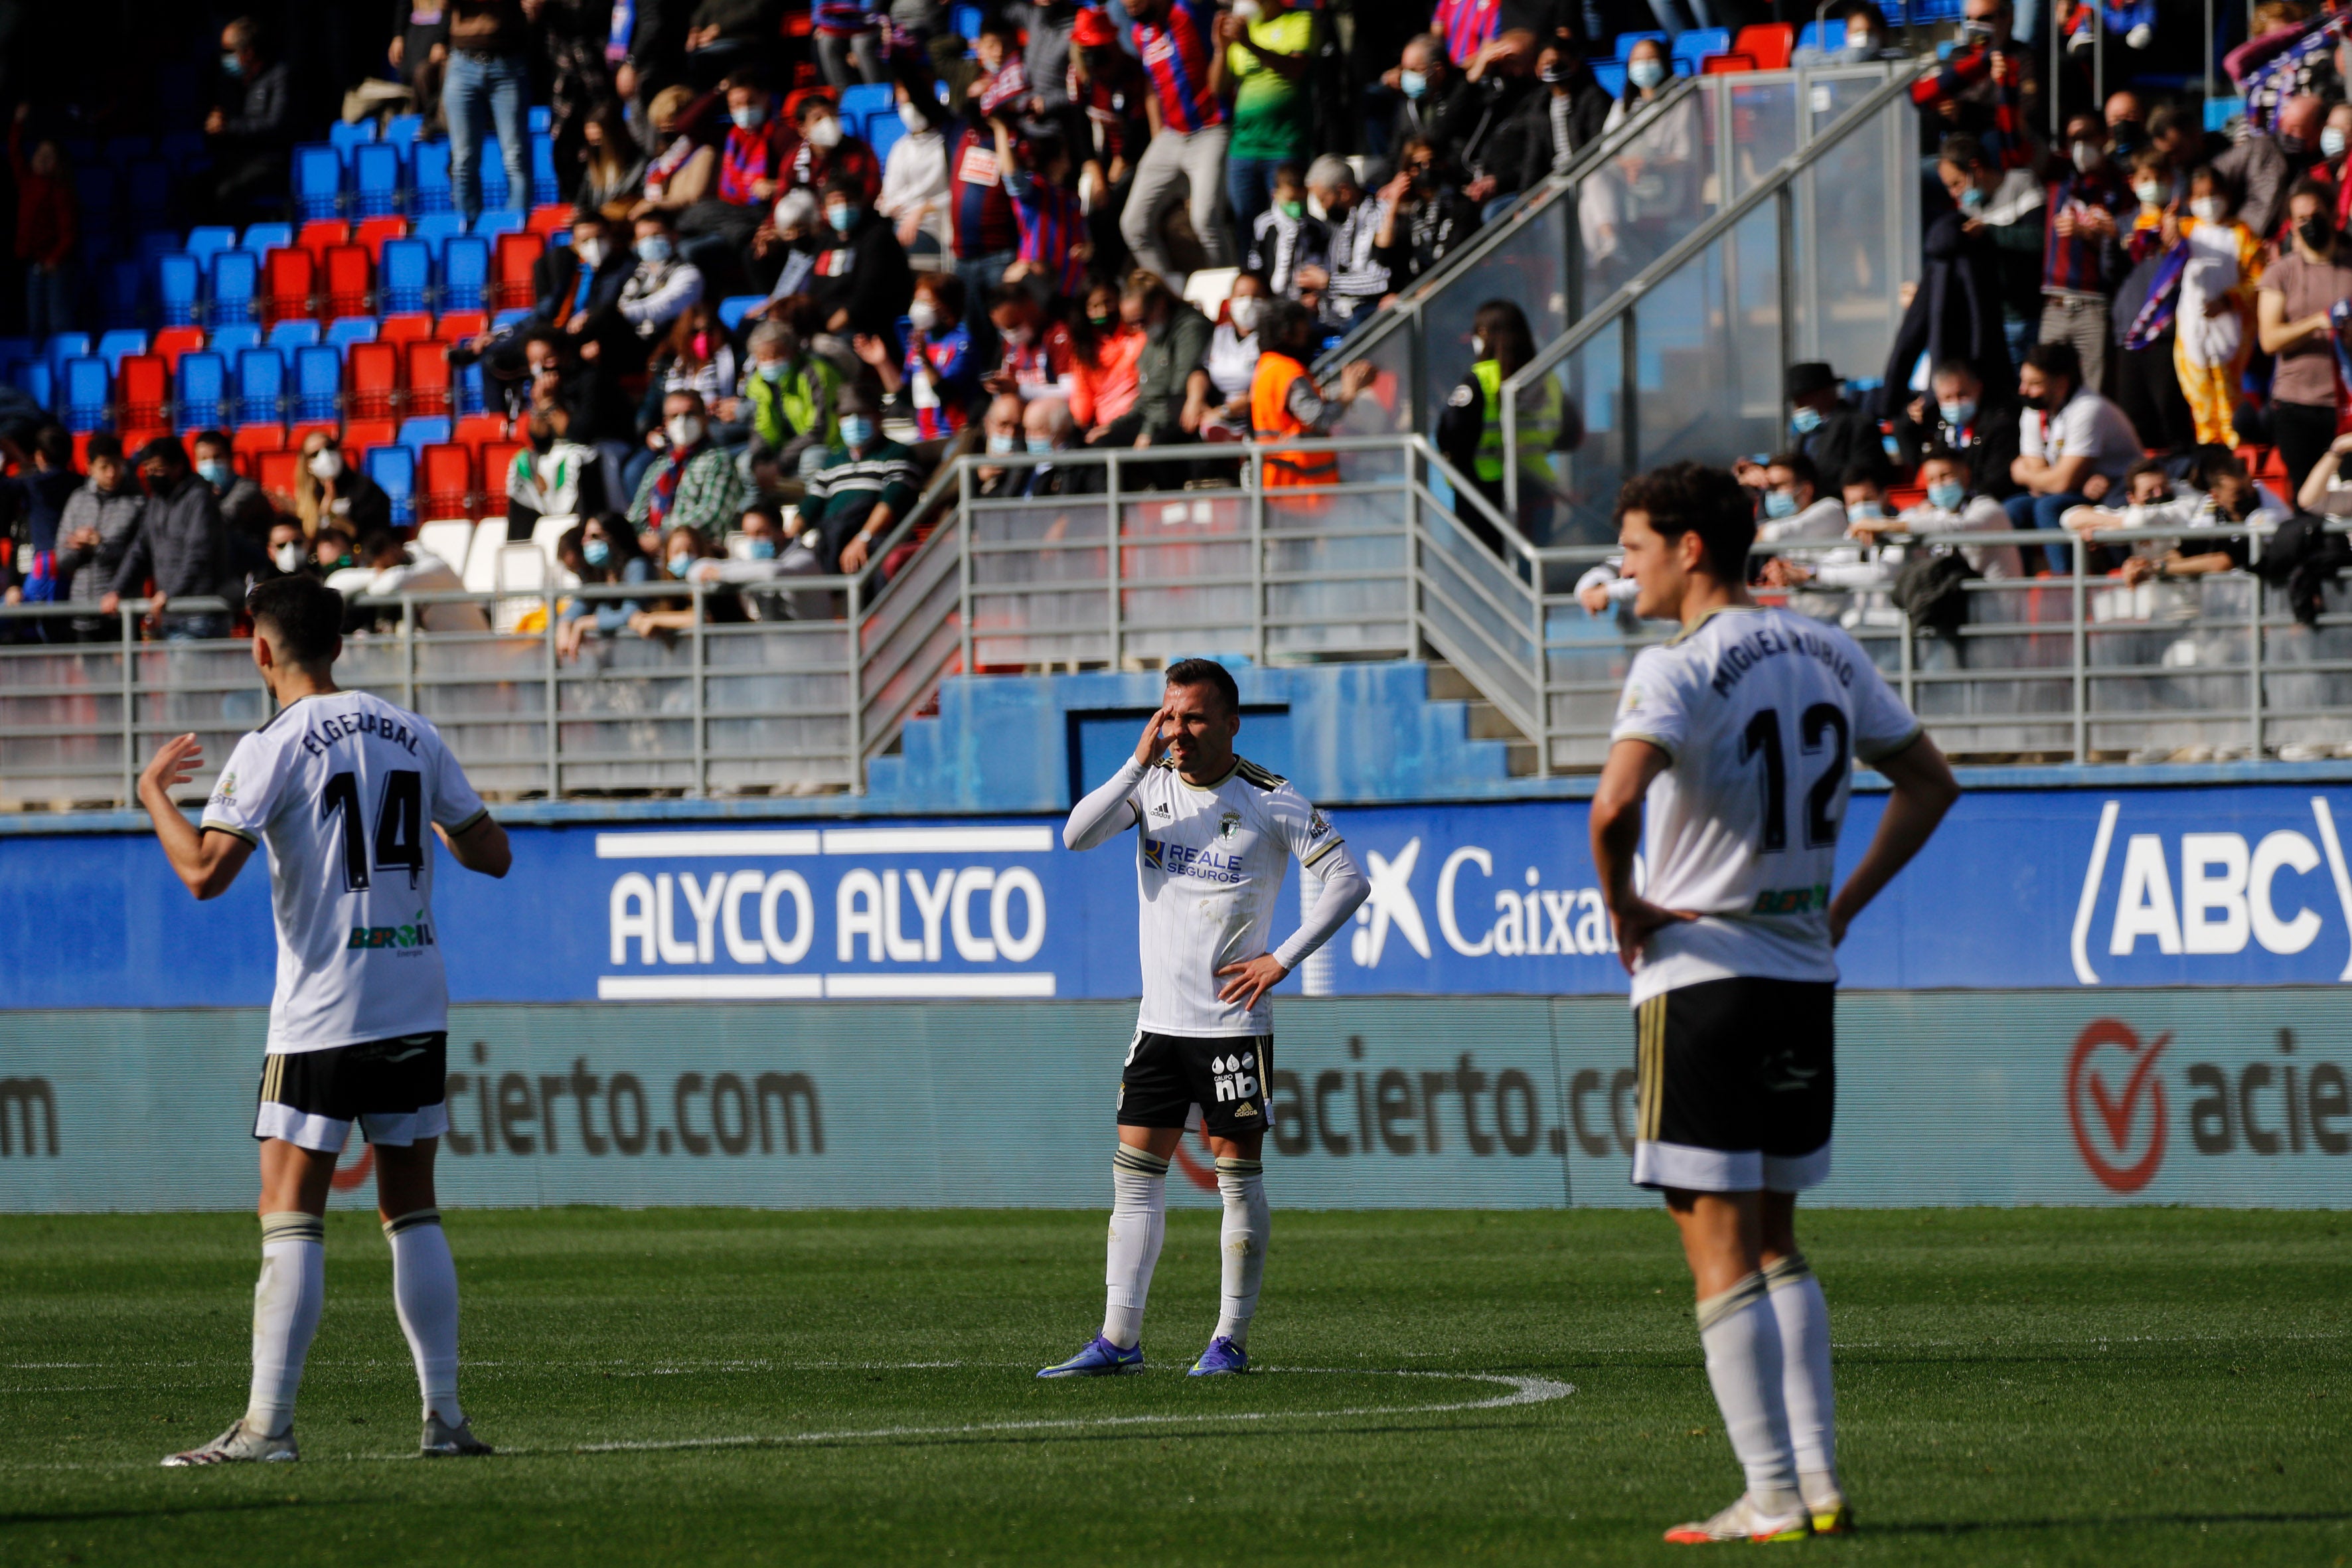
pixel 1470 427
pixel 1286 403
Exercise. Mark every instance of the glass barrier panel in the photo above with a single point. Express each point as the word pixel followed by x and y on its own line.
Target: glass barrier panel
pixel 1528 270
pixel 1659 187
pixel 1852 254
pixel 1386 406
pixel 1571 440
pixel 1763 128
pixel 1707 345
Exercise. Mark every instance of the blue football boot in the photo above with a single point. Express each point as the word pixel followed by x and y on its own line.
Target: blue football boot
pixel 1221 1356
pixel 1100 1359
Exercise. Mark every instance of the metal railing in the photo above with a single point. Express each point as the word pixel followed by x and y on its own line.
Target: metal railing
pixel 1702 145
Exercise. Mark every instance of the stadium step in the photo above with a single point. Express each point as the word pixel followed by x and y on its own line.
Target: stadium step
pixel 1487 722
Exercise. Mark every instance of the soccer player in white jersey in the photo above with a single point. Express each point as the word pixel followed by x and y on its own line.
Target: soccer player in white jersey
pixel 1741 734
pixel 1214 835
pixel 338 788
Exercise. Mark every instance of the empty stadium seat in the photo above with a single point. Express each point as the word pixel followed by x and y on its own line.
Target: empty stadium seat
pixel 544 188
pixel 318 180
pixel 478 430
pixel 1766 43
pixel 490 164
pixel 318 383
pixel 376 171
pixel 143 392
pixel 206 241
pixel 410 327
pixel 1726 64
pixel 540 118
pixel 493 221
pixel 247 442
pixel 427 364
pixel 517 254
pixel 466 390
pixel 465 273
pixel 481 568
pixel 450 540
pixel 457 326
pixel 373 231
pixel 348 278
pixel 230 341
pixel 428 179
pixel 436 230
pixel 177 287
pixel 551 219
pixel 1828 36
pixel 374 380
pixel 174 341
pixel 119 345
pixel 122 295
pixel 36 381
pixel 261 238
pixel 260 386
pixel 406 282
pixel 321 234
pixel 94 189
pixel 81 393
pixel 1611 75
pixel 496 457
pixel 735 307
pixel 882 133
pixel 394 467
pixel 505 318
pixel 234 275
pixel 362 436
pixel 61 347
pixel 345 331
pixel 147 190
pixel 122 149
pixel 345 137
pixel 402 130
pixel 290 285
pixel 287 336
pixel 446 481
pixel 1696 44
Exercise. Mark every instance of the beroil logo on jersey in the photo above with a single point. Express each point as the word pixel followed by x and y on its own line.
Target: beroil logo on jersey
pixel 2121 1106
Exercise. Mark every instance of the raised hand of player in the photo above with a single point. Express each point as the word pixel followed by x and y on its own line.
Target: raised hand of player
pixel 1638 919
pixel 1155 739
pixel 175 764
pixel 1252 978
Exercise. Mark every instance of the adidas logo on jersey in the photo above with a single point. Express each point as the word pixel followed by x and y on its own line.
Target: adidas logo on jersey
pixel 1236 1076
pixel 1159 808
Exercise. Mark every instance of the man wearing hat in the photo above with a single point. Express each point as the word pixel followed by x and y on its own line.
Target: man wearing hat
pixel 1834 433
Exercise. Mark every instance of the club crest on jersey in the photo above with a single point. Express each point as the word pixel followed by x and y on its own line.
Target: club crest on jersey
pixel 1236 1076
pixel 1229 824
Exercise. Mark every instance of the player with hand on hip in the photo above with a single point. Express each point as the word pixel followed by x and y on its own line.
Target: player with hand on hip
pixel 339 787
pixel 1739 735
pixel 1214 836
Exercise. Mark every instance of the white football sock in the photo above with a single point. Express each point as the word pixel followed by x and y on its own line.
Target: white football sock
pixel 1138 1223
pixel 1243 1243
pixel 1743 1362
pixel 286 1305
pixel 1803 1315
pixel 424 1293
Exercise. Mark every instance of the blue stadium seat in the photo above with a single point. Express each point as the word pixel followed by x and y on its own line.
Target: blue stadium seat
pixel 732 309
pixel 61 347
pixel 318 383
pixel 542 119
pixel 1625 42
pixel 428 174
pixel 35 381
pixel 117 347
pixel 183 150
pixel 199 387
pixel 468 398
pixel 122 294
pixel 394 468
pixel 318 180
pixel 882 133
pixel 375 179
pixel 234 339
pixel 434 228
pixel 84 387
pixel 1611 75
pixel 966 19
pixel 260 385
pixel 405 278
pixel 867 98
pixel 261 238
pixel 1829 36
pixel 205 242
pixel 402 130
pixel 506 318
pixel 94 186
pixel 345 331
pixel 498 220
pixel 1697 43
pixel 234 274
pixel 287 336
pixel 155 243
pixel 465 270
pixel 544 192
pixel 147 190
pixel 345 137
pixel 422 431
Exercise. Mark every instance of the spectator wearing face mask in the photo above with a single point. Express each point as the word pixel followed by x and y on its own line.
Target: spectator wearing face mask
pixel 867 485
pixel 1794 508
pixel 985 232
pixel 656 293
pixel 550 477
pixel 1987 88
pixel 755 164
pixel 915 195
pixel 1105 348
pixel 1425 217
pixel 1470 427
pixel 1865 39
pixel 182 546
pixel 696 357
pixel 1287 404
pixel 290 554
pixel 1422 79
pixel 1355 282
pixel 1232 359
pixel 576 282
pixel 602 550
pixel 1000 426
pixel 1174 393
pixel 2231 498
pixel 1960 414
pixel 2334 141
pixel 828 155
pixel 94 532
pixel 242 507
pixel 253 126
pixel 2222 260
pixel 694 483
pixel 790 393
pixel 2074 445
pixel 1549 129
pixel 1046 428
pixel 681 170
pixel 2303 295
pixel 34 497
pixel 785 250
pixel 328 487
pixel 1631 209
pixel 759 558
pixel 1190 129
pixel 938 373
pixel 1952 504
pixel 2080 260
pixel 1826 428
pixel 2145 313
pixel 1287 238
pixel 1053 252
pixel 1039 358
pixel 2006 205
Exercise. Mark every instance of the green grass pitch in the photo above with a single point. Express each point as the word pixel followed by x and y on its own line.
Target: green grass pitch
pixel 2141 1386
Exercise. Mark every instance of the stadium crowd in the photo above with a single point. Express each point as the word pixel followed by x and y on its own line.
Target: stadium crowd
pixel 2104 321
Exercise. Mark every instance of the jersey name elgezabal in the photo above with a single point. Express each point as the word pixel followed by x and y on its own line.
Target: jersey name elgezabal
pixel 1761 712
pixel 1209 862
pixel 342 792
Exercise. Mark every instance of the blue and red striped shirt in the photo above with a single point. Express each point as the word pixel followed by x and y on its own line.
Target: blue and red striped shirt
pixel 750 155
pixel 946 361
pixel 2070 262
pixel 1467 26
pixel 982 211
pixel 1052 225
pixel 1176 54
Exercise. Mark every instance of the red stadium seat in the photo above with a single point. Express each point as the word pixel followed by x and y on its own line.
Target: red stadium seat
pixel 374 231
pixel 141 392
pixel 362 436
pixel 1769 44
pixel 321 234
pixel 1725 65
pixel 170 343
pixel 428 378
pixel 457 326
pixel 275 472
pixel 446 486
pixel 351 276
pixel 476 430
pixel 374 380
pixel 290 285
pixel 498 457
pixel 552 218
pixel 511 269
pixel 415 327
pixel 250 441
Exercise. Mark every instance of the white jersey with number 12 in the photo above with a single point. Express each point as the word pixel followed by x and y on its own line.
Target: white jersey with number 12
pixel 1760 713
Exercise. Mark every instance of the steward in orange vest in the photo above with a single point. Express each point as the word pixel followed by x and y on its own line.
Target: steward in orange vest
pixel 1285 403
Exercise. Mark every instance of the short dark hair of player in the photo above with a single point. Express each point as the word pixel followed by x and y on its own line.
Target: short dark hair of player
pixel 1207 672
pixel 305 616
pixel 1691 498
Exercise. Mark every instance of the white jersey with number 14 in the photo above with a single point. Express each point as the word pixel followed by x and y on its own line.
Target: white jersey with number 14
pixel 1760 713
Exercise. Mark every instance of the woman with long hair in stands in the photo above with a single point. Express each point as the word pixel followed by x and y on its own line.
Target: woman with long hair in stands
pixel 602 549
pixel 1105 349
pixel 612 165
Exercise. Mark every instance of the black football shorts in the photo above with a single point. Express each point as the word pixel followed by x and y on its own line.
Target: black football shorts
pixel 1167 1075
pixel 1738 1086
pixel 392 1089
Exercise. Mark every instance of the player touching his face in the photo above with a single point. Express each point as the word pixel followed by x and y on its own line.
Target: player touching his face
pixel 1214 835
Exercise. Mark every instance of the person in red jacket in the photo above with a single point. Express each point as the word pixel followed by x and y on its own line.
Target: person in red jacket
pixel 45 230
